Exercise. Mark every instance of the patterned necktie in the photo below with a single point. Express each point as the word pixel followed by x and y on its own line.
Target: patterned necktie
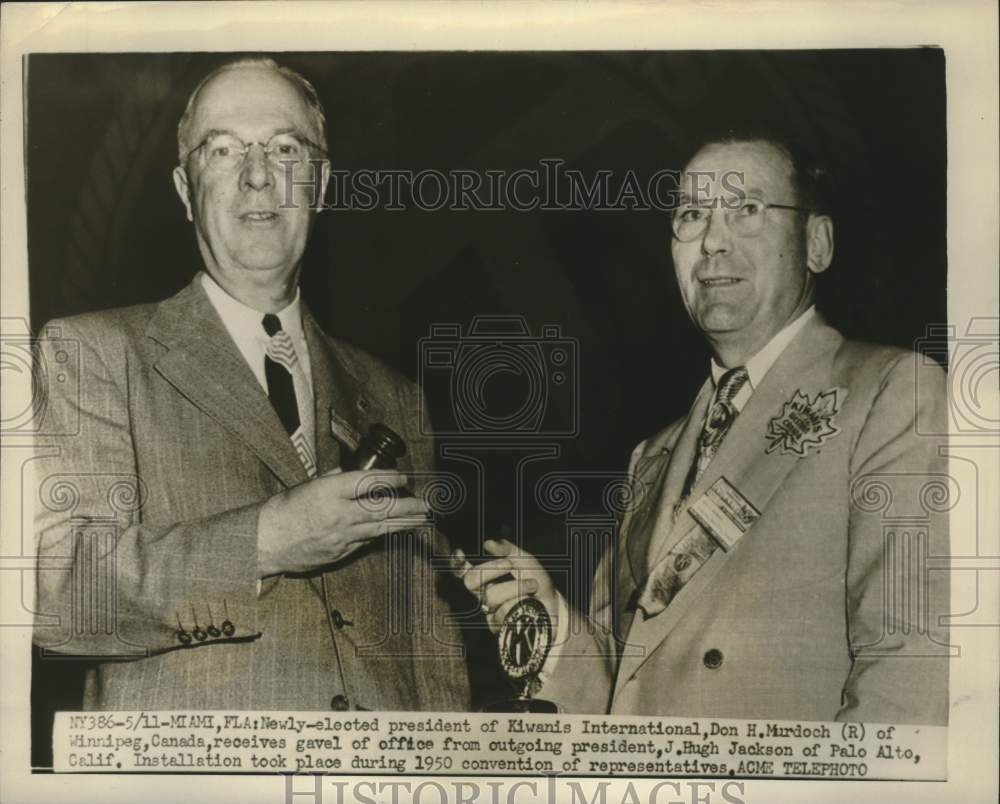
pixel 686 557
pixel 720 418
pixel 280 365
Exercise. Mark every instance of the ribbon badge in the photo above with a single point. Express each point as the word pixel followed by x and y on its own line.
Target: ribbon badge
pixel 804 423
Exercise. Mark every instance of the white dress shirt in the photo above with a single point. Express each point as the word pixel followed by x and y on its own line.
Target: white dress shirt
pixel 758 365
pixel 245 326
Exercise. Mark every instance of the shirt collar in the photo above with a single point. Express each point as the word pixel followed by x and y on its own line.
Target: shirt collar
pixel 758 365
pixel 244 323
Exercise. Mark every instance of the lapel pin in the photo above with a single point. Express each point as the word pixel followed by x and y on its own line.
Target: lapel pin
pixel 343 430
pixel 805 422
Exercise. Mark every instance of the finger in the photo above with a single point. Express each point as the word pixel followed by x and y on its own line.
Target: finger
pixel 497 617
pixel 353 485
pixel 500 547
pixel 520 560
pixel 486 573
pixel 381 510
pixel 384 527
pixel 496 594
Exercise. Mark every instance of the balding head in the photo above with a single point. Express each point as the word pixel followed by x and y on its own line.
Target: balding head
pixel 187 136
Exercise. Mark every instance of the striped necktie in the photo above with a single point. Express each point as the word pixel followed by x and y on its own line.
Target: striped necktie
pixel 280 366
pixel 720 418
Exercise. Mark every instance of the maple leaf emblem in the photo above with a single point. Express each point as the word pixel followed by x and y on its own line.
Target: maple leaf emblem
pixel 804 423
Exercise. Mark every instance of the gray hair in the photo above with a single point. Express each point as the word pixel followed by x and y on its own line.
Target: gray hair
pixel 302 84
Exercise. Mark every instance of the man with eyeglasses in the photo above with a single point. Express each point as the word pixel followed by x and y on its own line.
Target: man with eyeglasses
pixel 233 564
pixel 776 562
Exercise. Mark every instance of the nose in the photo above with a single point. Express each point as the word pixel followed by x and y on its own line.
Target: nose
pixel 717 238
pixel 256 171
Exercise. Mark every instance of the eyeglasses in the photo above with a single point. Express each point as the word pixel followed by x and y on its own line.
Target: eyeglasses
pixel 690 221
pixel 227 152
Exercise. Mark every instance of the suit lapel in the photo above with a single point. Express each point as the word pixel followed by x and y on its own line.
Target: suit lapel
pixel 806 366
pixel 326 389
pixel 661 472
pixel 648 477
pixel 680 465
pixel 203 363
pixel 344 412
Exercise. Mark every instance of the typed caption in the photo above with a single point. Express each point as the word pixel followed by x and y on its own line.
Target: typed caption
pixel 457 744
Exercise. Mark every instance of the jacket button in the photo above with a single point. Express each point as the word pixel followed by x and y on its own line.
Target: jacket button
pixel 339 621
pixel 338 703
pixel 713 659
pixel 682 562
pixel 184 637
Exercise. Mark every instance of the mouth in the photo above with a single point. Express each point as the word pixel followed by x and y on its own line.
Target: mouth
pixel 262 216
pixel 719 281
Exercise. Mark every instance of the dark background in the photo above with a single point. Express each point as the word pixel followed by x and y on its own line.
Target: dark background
pixel 106 229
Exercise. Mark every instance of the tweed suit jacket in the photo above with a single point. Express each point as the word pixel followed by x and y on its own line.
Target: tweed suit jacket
pixel 146 523
pixel 825 609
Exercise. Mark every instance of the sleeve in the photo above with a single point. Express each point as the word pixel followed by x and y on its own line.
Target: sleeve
pixel 579 674
pixel 108 584
pixel 896 605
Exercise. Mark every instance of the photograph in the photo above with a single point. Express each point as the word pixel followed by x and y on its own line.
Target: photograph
pixel 606 390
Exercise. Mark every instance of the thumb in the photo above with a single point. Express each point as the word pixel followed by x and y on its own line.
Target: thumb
pixel 501 548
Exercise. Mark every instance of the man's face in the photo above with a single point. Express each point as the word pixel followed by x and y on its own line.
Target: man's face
pixel 743 289
pixel 250 231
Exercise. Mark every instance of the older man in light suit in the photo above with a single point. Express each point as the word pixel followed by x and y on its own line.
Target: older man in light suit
pixel 760 574
pixel 196 536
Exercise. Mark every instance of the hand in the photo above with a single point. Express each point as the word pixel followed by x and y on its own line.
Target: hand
pixel 329 517
pixel 498 596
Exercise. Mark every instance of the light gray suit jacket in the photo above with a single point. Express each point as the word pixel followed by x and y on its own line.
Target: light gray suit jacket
pixel 146 521
pixel 826 608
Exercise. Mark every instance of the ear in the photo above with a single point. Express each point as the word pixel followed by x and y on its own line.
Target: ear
pixel 819 243
pixel 183 188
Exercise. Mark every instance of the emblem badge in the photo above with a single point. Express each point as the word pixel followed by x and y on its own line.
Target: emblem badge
pixel 804 422
pixel 525 638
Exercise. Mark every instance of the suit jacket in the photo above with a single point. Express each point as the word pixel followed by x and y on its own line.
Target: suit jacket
pixel 163 448
pixel 825 609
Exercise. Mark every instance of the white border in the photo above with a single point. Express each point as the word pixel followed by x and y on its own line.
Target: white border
pixel 966 29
